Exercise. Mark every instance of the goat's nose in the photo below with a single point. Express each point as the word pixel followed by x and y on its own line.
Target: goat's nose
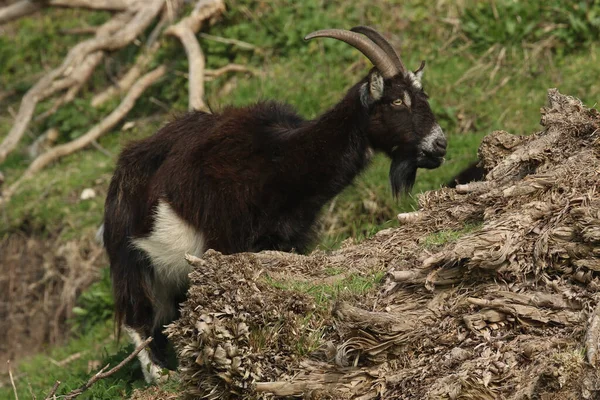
pixel 440 144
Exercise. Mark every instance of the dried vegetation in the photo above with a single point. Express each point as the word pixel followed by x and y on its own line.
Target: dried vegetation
pixel 39 286
pixel 505 309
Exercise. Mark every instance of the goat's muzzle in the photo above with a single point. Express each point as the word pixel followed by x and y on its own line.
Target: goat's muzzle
pixel 433 149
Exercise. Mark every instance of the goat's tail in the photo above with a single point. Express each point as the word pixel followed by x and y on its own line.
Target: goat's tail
pixel 130 269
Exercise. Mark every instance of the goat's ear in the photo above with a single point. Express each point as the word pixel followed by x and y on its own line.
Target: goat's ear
pixel 419 71
pixel 372 91
pixel 417 76
pixel 375 85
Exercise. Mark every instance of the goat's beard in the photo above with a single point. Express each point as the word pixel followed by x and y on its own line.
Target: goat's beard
pixel 403 173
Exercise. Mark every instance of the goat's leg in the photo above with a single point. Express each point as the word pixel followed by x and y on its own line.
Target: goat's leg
pixel 151 360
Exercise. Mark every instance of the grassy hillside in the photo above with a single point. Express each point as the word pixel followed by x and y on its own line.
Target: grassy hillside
pixel 489 65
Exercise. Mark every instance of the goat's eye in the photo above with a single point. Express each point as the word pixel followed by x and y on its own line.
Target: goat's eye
pixel 397 102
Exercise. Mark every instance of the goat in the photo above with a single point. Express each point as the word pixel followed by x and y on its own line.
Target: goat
pixel 250 179
pixel 473 173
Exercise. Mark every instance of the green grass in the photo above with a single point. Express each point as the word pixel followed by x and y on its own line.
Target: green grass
pixel 487 69
pixel 89 353
pixel 325 293
pixel 94 306
pixel 448 236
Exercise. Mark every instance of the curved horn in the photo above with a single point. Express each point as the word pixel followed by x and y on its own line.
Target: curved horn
pixel 385 45
pixel 375 54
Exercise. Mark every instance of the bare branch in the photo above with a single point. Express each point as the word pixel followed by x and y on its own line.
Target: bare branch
pixel 18 10
pixel 235 42
pixel 124 83
pixel 109 122
pixel 112 5
pixel 12 380
pixel 214 73
pixel 186 30
pixel 43 142
pixel 53 391
pixel 409 217
pixel 196 65
pixel 27 7
pixel 74 82
pixel 100 374
pixel 472 187
pixel 170 11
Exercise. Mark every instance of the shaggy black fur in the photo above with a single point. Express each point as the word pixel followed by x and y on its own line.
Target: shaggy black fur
pixel 251 179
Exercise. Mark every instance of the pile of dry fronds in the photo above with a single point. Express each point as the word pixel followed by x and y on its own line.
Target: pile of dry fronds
pixel 507 308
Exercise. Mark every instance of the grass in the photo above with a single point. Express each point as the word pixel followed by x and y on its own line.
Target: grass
pixel 489 66
pixel 447 236
pixel 326 293
pixel 87 353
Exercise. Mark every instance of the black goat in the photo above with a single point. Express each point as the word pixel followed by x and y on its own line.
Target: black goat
pixel 472 173
pixel 251 179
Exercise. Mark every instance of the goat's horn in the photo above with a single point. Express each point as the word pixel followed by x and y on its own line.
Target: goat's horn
pixel 376 55
pixel 385 45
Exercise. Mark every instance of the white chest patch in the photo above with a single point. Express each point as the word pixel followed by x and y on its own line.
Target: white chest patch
pixel 170 240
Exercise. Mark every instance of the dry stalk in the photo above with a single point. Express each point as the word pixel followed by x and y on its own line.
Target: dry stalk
pixel 185 31
pixel 74 82
pixel 283 388
pixel 110 5
pixel 235 42
pixel 100 374
pixel 142 61
pixel 409 217
pixel 12 380
pixel 215 73
pixel 109 122
pixel 19 9
pixel 53 391
pixel 26 7
pixel 127 80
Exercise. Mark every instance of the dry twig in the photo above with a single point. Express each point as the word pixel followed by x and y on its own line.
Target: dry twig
pixel 26 7
pixel 235 42
pixel 110 5
pixel 185 31
pixel 142 61
pixel 100 374
pixel 12 380
pixel 53 391
pixel 215 73
pixel 19 9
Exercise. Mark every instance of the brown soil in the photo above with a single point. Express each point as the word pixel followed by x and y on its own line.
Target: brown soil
pixel 40 280
pixel 506 309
